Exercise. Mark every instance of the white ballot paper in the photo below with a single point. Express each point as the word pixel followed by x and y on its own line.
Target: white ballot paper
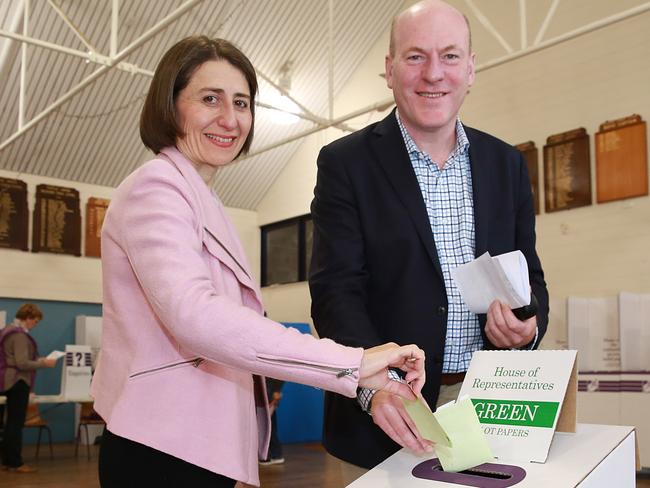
pixel 487 278
pixel 55 355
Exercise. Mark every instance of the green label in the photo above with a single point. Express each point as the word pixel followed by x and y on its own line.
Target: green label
pixel 516 412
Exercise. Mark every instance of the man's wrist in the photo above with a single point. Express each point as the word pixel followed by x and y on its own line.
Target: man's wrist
pixel 365 395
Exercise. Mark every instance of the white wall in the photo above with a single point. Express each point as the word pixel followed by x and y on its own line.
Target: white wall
pixel 591 251
pixel 46 276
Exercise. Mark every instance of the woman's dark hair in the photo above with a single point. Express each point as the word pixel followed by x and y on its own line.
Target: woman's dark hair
pixel 29 311
pixel 158 121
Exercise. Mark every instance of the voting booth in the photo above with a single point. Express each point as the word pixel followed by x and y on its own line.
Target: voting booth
pixel 519 406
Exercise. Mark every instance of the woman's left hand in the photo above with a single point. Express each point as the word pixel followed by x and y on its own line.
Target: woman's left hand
pixel 373 372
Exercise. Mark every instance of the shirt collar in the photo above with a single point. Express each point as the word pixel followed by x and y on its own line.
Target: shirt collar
pixel 19 323
pixel 462 142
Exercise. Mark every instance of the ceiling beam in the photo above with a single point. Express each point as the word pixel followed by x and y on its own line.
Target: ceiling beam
pixel 488 25
pixel 23 68
pixel 92 57
pixel 10 48
pixel 115 24
pixel 72 27
pixel 523 25
pixel 547 21
pixel 599 24
pixel 169 19
pixel 379 107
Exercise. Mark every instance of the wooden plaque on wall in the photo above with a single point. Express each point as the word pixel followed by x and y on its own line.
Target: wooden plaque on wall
pixel 529 151
pixel 14 218
pixel 95 212
pixel 57 220
pixel 621 159
pixel 567 173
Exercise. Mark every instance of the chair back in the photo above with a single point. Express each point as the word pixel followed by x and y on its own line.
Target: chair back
pixel 33 417
pixel 88 414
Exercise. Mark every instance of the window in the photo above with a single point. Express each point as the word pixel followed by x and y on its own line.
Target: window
pixel 286 250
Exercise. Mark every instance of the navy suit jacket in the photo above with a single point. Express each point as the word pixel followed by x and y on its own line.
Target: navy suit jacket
pixel 375 275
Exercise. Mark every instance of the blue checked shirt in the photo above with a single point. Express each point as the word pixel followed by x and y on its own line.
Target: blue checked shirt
pixel 448 197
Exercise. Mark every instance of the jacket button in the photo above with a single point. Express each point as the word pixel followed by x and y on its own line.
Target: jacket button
pixel 442 310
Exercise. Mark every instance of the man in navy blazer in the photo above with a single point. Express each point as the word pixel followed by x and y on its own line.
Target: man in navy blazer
pixel 399 204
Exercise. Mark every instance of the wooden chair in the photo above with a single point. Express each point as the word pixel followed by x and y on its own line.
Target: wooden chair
pixel 34 419
pixel 87 417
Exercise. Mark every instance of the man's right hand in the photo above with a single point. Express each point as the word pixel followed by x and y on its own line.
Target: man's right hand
pixel 389 414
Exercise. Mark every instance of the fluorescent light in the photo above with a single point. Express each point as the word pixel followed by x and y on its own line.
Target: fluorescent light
pixel 282 105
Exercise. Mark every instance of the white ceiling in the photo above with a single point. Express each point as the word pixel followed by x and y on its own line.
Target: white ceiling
pixel 93 137
pixel 80 119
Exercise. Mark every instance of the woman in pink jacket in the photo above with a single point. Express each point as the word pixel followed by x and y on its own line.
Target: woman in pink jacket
pixel 183 332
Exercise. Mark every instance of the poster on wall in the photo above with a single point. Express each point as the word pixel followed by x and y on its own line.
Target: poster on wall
pixel 57 220
pixel 621 159
pixel 13 214
pixel 95 212
pixel 529 151
pixel 567 173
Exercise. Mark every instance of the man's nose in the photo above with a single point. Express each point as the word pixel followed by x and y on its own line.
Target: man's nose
pixel 433 70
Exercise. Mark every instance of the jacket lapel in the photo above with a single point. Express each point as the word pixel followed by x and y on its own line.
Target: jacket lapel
pixel 213 216
pixel 392 156
pixel 481 184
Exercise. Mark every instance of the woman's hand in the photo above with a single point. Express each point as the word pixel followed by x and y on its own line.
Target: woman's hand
pixel 373 372
pixel 47 362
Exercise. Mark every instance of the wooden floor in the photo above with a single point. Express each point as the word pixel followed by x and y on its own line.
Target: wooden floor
pixel 306 466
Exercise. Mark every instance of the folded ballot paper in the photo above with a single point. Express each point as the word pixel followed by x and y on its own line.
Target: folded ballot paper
pixel 455 429
pixel 55 355
pixel 487 278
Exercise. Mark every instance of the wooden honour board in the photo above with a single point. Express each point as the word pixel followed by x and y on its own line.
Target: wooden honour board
pixel 529 151
pixel 95 212
pixel 14 215
pixel 621 159
pixel 57 220
pixel 567 172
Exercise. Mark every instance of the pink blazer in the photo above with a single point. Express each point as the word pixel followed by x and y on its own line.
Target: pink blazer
pixel 183 328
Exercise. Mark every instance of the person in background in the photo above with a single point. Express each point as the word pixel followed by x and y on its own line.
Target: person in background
pixel 274 390
pixel 397 206
pixel 20 361
pixel 183 335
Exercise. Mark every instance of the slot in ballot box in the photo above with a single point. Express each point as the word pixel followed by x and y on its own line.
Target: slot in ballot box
pixel 595 456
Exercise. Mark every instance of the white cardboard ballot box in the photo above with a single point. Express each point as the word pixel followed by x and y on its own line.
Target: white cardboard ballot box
pixel 595 456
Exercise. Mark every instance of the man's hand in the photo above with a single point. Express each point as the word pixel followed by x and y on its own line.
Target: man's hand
pixel 506 331
pixel 389 414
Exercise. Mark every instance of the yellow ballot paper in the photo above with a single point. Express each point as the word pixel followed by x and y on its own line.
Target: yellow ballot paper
pixel 459 441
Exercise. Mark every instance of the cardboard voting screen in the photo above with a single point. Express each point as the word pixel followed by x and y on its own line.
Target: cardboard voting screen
pixel 76 372
pixel 521 398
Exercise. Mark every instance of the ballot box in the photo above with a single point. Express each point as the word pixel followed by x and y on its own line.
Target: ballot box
pixel 594 456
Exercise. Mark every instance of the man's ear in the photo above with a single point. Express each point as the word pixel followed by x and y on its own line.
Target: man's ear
pixel 471 65
pixel 389 71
